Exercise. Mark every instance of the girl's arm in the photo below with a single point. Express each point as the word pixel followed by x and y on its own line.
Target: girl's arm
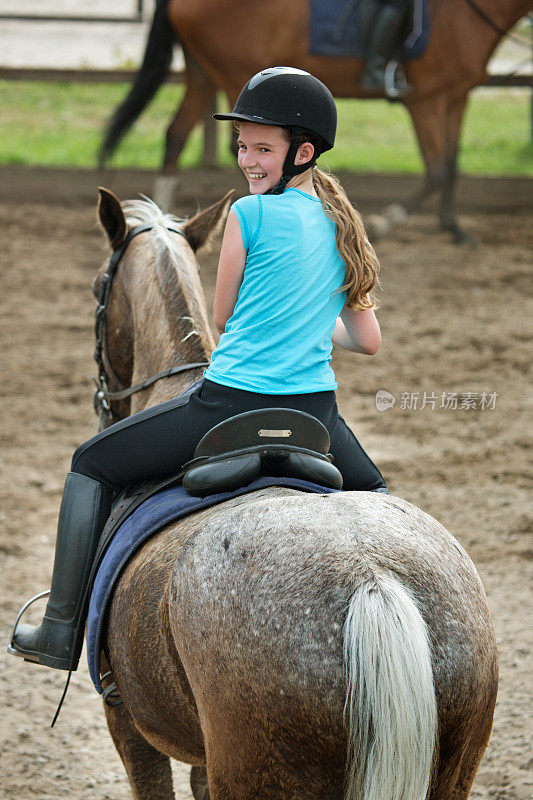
pixel 229 274
pixel 357 331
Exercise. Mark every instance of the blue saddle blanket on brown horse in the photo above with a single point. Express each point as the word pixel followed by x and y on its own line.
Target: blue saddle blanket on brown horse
pixel 153 514
pixel 334 30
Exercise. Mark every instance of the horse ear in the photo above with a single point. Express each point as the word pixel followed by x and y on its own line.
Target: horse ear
pixel 112 217
pixel 202 227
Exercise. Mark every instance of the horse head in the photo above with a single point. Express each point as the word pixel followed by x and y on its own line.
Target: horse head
pixel 151 314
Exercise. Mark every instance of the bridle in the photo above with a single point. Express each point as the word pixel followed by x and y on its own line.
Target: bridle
pixel 494 25
pixel 103 397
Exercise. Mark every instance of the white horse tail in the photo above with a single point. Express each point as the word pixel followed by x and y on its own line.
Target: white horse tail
pixel 391 711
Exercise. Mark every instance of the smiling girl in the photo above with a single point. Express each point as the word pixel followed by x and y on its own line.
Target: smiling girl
pixel 295 274
pixel 296 269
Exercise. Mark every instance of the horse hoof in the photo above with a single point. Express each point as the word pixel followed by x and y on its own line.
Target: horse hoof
pixel 377 227
pixel 395 213
pixel 461 237
pixel 380 225
pixel 466 240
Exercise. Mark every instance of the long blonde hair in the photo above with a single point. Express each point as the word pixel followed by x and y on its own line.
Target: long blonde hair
pixel 360 260
pixel 358 255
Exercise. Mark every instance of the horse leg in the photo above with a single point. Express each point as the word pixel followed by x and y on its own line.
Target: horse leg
pixel 460 762
pixel 463 741
pixel 148 769
pixel 254 753
pixel 448 221
pixel 233 146
pixel 199 785
pixel 468 771
pixel 200 93
pixel 429 119
pixel 437 125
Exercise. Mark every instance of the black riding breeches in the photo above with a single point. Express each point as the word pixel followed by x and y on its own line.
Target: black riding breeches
pixel 160 439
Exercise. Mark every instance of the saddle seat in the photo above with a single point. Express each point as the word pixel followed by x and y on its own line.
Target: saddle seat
pixel 270 441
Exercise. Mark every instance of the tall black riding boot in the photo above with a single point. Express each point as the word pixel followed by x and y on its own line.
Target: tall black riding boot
pixel 368 12
pixel 58 640
pixel 384 40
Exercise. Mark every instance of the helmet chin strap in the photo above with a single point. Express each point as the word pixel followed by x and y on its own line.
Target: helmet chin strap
pixel 290 169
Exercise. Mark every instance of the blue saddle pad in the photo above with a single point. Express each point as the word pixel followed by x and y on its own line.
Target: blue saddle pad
pixel 334 30
pixel 152 515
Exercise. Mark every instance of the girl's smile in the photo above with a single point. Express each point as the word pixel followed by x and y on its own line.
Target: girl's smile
pixel 262 151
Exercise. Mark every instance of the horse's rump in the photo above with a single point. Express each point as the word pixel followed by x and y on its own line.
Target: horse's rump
pixel 251 599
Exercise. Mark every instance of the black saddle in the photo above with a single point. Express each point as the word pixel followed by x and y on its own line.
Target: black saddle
pixel 270 441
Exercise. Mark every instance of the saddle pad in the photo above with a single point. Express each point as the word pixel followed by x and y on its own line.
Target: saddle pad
pixel 334 30
pixel 152 515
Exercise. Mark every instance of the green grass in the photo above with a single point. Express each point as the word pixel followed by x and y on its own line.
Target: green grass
pixel 60 124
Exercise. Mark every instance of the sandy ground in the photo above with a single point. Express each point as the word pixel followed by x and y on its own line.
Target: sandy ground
pixel 453 320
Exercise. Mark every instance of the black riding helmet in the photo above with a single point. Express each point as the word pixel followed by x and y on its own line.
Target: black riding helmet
pixel 290 98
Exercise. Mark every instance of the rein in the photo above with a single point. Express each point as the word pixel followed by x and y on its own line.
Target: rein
pixel 494 25
pixel 103 397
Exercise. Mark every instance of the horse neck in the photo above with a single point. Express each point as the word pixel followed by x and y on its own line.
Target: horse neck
pixel 472 35
pixel 170 324
pixel 503 14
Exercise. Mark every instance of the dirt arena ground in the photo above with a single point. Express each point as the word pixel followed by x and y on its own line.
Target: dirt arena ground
pixel 453 321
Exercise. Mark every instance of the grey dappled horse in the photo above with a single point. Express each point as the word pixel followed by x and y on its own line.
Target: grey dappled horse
pixel 284 644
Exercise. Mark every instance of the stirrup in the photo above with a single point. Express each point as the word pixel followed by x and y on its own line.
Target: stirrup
pixel 395 82
pixel 11 649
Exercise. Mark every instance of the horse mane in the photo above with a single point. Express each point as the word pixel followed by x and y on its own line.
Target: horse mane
pixel 184 309
pixel 146 212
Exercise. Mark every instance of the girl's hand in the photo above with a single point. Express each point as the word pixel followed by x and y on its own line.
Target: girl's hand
pixel 357 331
pixel 230 271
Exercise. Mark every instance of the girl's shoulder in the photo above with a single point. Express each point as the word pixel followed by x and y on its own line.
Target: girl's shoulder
pixel 249 204
pixel 249 213
pixel 252 209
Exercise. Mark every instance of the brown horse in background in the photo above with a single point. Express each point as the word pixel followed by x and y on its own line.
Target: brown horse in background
pixel 227 41
pixel 287 646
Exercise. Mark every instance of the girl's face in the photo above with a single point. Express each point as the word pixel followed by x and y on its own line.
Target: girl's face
pixel 262 151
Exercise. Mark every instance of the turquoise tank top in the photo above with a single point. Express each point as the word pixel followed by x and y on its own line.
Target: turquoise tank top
pixel 278 340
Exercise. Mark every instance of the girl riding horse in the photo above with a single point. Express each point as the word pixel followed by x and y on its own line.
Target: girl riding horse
pixel 295 274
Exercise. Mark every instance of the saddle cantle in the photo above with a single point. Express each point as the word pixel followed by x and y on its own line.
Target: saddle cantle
pixel 270 441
